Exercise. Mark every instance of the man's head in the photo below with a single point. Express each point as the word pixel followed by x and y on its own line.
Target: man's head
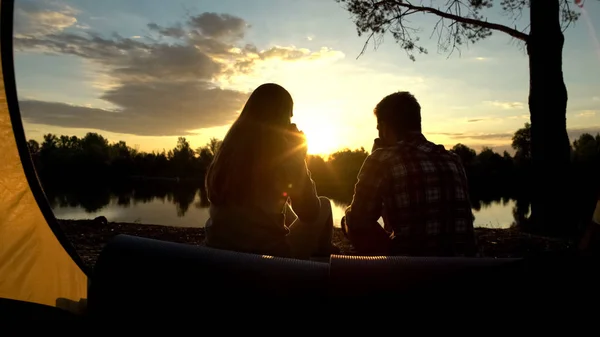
pixel 398 114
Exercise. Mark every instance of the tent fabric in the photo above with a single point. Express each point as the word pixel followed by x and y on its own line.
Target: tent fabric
pixel 34 266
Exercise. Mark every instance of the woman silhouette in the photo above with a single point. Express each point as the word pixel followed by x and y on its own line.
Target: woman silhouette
pixel 257 173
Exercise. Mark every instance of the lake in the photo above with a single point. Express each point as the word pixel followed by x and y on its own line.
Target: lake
pixel 190 209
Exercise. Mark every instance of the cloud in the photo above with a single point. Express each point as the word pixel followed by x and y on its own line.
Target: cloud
pixel 484 136
pixel 149 109
pixel 500 142
pixel 475 136
pixel 164 84
pixel 174 32
pixel 32 20
pixel 484 119
pixel 587 113
pixel 596 98
pixel 506 105
pixel 519 117
pixel 219 26
pixel 448 134
pixel 575 133
pixel 292 53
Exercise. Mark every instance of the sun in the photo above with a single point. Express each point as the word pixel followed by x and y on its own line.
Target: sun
pixel 321 140
pixel 320 126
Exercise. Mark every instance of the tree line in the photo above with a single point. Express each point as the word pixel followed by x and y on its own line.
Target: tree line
pixel 67 160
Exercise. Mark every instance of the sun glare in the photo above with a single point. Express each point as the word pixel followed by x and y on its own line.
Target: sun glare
pixel 321 140
pixel 321 130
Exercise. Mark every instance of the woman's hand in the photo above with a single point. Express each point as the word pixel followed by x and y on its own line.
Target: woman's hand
pixel 294 158
pixel 297 141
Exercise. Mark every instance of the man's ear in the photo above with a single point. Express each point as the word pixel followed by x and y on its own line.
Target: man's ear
pixel 387 134
pixel 382 130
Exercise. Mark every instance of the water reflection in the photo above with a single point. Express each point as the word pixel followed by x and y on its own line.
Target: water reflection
pixel 186 205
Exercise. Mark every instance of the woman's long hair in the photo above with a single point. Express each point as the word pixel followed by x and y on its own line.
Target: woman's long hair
pixel 249 160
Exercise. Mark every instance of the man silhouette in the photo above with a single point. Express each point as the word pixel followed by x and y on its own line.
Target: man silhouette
pixel 418 187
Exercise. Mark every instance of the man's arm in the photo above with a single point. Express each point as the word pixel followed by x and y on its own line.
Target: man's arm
pixel 363 230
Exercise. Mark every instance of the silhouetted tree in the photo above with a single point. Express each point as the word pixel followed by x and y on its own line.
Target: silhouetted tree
pixel 211 147
pixel 34 151
pixel 336 176
pixel 207 152
pixel 182 158
pixel 586 147
pixel 183 151
pixel 586 172
pixel 33 146
pixel 466 154
pixel 94 151
pixel 122 159
pixel 521 143
pixel 550 148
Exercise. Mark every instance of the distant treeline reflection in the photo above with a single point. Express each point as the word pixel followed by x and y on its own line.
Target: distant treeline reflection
pixel 93 197
pixel 90 171
pixel 127 193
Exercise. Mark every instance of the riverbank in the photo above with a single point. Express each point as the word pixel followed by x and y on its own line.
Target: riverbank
pixel 89 237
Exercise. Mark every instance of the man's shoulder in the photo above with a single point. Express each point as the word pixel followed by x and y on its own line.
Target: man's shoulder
pixel 434 149
pixel 379 161
pixel 426 155
pixel 452 155
pixel 426 151
pixel 383 154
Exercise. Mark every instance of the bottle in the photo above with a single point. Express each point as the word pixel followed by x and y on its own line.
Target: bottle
pixel 590 243
pixel 596 216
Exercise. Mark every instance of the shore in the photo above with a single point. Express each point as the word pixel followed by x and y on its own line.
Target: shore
pixel 89 237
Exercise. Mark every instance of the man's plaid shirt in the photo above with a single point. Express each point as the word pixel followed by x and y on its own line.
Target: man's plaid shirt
pixel 421 191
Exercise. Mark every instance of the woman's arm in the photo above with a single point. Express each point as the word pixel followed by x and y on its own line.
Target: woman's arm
pixel 301 188
pixel 303 195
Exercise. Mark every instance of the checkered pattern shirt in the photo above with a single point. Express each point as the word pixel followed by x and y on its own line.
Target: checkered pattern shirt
pixel 421 191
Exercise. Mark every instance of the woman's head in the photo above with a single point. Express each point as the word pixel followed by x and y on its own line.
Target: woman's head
pixel 269 105
pixel 253 149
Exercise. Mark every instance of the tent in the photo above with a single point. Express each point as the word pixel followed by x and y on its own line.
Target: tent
pixel 37 264
pixel 40 268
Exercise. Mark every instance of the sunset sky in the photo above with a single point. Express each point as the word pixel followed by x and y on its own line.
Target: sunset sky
pixel 149 71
